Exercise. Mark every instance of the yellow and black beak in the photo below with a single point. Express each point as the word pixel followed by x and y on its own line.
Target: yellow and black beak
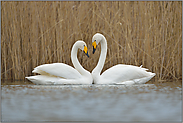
pixel 86 50
pixel 94 44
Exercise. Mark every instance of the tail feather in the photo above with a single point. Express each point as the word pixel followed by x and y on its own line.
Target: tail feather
pixel 143 68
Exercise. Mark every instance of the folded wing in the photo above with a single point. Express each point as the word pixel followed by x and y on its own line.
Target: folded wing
pixel 121 73
pixel 58 70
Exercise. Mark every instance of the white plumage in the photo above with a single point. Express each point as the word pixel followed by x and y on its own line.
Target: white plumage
pixel 118 74
pixel 60 73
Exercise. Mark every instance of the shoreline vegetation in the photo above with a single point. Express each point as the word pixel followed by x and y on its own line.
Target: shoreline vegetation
pixel 138 33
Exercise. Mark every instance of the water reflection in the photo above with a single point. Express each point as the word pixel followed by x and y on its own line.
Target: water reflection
pixel 153 102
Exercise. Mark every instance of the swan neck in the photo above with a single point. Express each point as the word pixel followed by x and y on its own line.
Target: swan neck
pixel 75 61
pixel 102 57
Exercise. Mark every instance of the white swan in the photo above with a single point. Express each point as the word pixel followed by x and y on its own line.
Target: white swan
pixel 60 73
pixel 118 74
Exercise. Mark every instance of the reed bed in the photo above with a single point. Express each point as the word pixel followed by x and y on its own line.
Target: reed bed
pixel 138 33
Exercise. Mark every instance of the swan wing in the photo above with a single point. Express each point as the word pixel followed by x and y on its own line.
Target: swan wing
pixel 58 70
pixel 121 73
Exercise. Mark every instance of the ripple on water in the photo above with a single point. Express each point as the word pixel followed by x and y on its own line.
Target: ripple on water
pixel 148 102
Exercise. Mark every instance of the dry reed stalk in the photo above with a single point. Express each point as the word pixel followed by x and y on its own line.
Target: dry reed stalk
pixel 147 33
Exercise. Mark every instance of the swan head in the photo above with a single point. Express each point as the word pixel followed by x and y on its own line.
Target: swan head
pixel 82 45
pixel 95 40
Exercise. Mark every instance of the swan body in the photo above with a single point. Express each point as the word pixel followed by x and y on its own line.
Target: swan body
pixel 60 73
pixel 118 74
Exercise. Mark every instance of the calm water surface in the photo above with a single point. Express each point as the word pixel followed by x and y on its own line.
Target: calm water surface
pixel 150 102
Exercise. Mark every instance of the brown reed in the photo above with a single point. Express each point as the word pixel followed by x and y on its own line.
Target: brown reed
pixel 138 33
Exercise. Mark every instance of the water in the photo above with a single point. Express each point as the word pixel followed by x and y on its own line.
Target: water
pixel 150 102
